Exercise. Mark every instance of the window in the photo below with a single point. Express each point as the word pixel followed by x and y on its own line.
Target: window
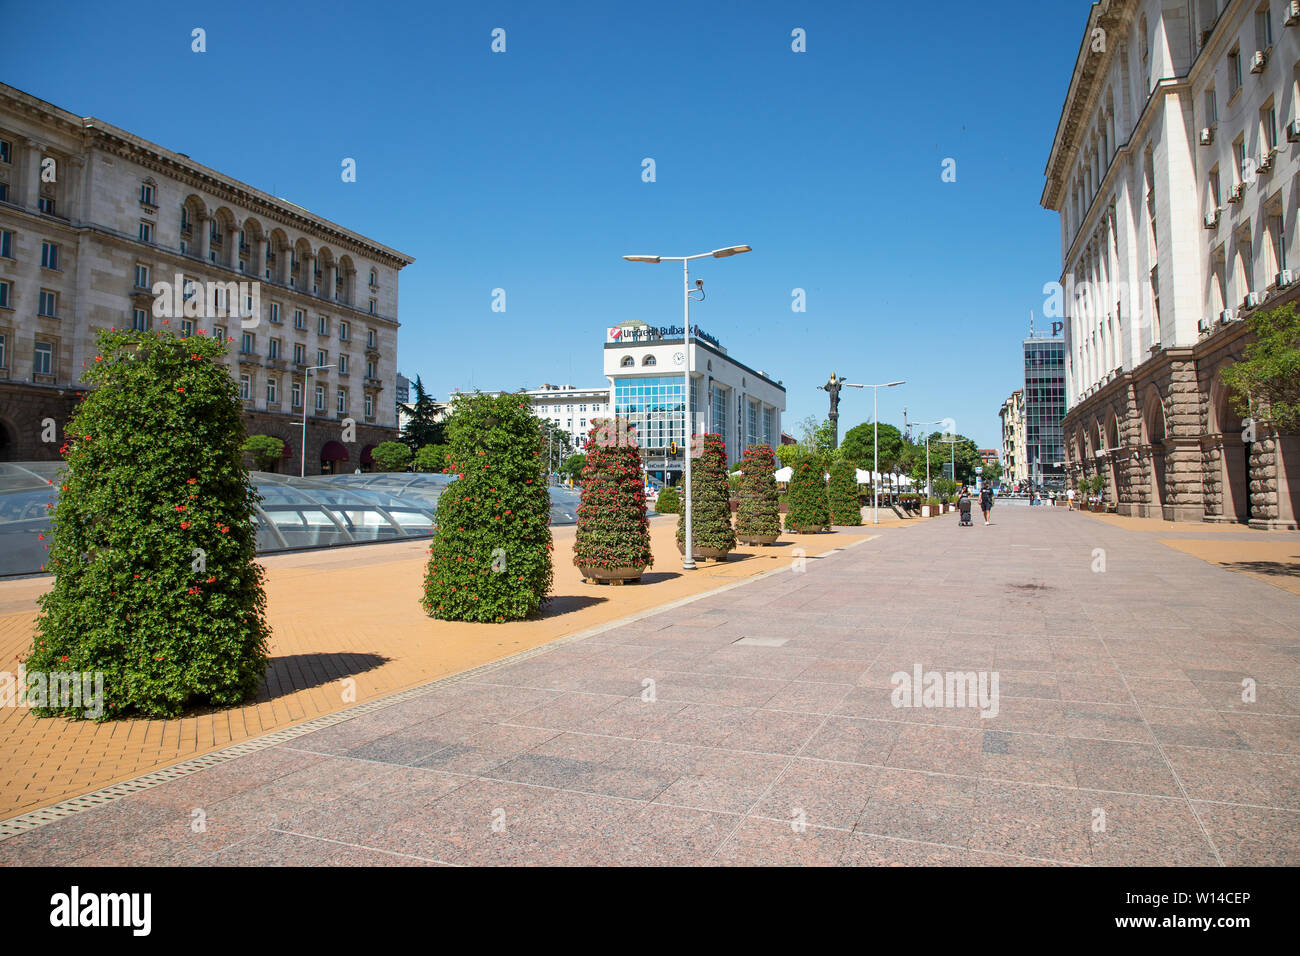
pixel 272 392
pixel 299 319
pixel 146 233
pixel 342 400
pixel 4 192
pixel 246 388
pixel 1277 240
pixel 187 328
pixel 343 365
pixel 370 405
pixel 5 151
pixel 1247 255
pixel 49 304
pixel 649 360
pixel 146 193
pixel 322 357
pixel 1239 159
pixel 43 358
pixel 273 349
pixel 139 320
pixel 370 369
pixel 247 343
pixel 343 331
pixel 141 276
pixel 49 255
pixel 6 244
pixel 3 351
pixel 46 205
pixel 372 306
pixel 323 325
pixel 370 338
pixel 1268 129
pixel 274 313
pixel 296 393
pixel 1211 108
pixel 1216 198
pixel 185 220
pixel 1234 72
pixel 320 398
pixel 218 333
pixel 299 354
pixel 1263 29
pixel 374 278
pixel 6 292
pixel 582 409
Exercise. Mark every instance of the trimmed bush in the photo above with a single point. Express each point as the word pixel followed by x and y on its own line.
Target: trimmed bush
pixel 391 456
pixel 809 507
pixel 265 450
pixel 759 514
pixel 490 559
pixel 842 494
pixel 668 501
pixel 710 499
pixel 613 531
pixel 431 458
pixel 155 585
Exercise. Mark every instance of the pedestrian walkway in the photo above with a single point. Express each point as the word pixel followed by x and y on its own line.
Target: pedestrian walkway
pixel 1148 712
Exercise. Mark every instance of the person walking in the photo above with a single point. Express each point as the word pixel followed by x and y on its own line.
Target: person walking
pixel 986 502
pixel 1070 498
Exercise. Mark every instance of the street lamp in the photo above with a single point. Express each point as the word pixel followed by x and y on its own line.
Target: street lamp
pixel 688 555
pixel 928 492
pixel 302 473
pixel 875 449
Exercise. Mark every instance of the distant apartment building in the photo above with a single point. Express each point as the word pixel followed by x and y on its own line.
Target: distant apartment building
pixel 1012 415
pixel 1175 169
pixel 94 221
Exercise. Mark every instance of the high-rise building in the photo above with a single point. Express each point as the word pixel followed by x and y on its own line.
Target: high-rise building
pixel 1044 409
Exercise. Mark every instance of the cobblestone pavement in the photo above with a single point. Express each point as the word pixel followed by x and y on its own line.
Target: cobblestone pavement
pixel 1148 712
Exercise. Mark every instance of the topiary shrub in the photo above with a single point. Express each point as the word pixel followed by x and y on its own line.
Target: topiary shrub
pixel 759 519
pixel 155 585
pixel 430 458
pixel 613 533
pixel 668 501
pixel 809 508
pixel 490 559
pixel 265 450
pixel 842 495
pixel 391 456
pixel 710 502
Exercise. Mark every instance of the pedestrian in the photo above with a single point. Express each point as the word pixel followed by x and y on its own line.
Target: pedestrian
pixel 986 502
pixel 1070 498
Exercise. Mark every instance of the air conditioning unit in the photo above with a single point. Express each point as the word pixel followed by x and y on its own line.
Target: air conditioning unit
pixel 1212 220
pixel 1203 325
pixel 1253 299
pixel 1226 316
pixel 1266 160
pixel 1284 278
pixel 1238 190
pixel 1207 135
pixel 1293 131
pixel 1293 13
pixel 1258 61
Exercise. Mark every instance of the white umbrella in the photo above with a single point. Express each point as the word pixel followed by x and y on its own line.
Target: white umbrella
pixel 863 477
pixel 784 474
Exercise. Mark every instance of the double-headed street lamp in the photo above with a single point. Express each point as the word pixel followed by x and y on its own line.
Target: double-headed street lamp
pixel 928 493
pixel 688 557
pixel 875 443
pixel 302 473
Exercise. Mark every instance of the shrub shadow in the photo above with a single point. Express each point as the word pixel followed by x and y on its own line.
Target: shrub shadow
pixel 1273 568
pixel 291 673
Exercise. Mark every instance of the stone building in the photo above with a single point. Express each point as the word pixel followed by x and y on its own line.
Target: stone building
pixel 100 228
pixel 1012 414
pixel 1176 171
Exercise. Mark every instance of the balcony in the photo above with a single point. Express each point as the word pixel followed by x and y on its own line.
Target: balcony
pixel 373 383
pixel 250 358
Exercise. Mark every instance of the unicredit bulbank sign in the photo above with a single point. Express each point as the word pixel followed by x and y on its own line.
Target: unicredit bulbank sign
pixel 649 333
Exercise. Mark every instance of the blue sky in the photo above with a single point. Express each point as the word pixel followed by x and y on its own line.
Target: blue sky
pixel 523 170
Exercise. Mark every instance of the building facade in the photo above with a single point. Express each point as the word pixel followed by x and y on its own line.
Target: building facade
pixel 646 369
pixel 1013 438
pixel 102 229
pixel 1174 171
pixel 571 410
pixel 1044 393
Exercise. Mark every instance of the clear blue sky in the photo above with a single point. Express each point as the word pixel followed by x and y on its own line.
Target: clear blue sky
pixel 522 170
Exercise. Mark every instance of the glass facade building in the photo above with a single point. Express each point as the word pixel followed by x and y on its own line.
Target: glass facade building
pixel 1044 411
pixel 654 407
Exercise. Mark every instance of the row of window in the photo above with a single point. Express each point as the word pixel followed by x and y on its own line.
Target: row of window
pixel 43 355
pixel 341 399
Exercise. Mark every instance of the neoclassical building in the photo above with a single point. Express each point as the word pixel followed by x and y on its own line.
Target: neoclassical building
pixel 96 225
pixel 1012 414
pixel 1174 171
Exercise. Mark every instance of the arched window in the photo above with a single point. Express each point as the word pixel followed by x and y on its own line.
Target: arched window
pixel 627 362
pixel 374 278
pixel 649 360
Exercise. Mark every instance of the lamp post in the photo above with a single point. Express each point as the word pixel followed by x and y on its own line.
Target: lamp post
pixel 928 492
pixel 875 446
pixel 688 555
pixel 302 472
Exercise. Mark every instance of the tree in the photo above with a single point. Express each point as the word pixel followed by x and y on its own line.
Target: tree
pixel 859 445
pixel 613 532
pixel 758 520
pixel 711 529
pixel 1265 383
pixel 993 472
pixel 421 429
pixel 490 559
pixel 155 583
pixel 572 466
pixel 842 494
pixel 668 501
pixel 556 443
pixel 431 458
pixel 942 451
pixel 808 505
pixel 787 455
pixel 265 450
pixel 391 456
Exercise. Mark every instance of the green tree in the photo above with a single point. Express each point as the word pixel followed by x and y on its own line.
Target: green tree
pixel 859 445
pixel 265 450
pixel 787 455
pixel 490 559
pixel 842 494
pixel 993 472
pixel 556 443
pixel 572 466
pixel 391 456
pixel 155 583
pixel 710 499
pixel 808 504
pixel 668 501
pixel 759 515
pixel 431 458
pixel 942 451
pixel 421 429
pixel 613 531
pixel 1265 383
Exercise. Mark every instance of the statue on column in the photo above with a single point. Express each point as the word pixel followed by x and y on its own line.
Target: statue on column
pixel 833 387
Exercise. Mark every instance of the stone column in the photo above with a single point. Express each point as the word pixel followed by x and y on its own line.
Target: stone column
pixel 204 225
pixel 32 175
pixel 1264 480
pixel 331 277
pixel 308 267
pixel 259 258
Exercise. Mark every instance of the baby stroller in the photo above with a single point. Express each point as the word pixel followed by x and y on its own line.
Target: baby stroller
pixel 963 508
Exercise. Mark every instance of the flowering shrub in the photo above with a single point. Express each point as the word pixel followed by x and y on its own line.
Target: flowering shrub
pixel 842 494
pixel 759 513
pixel 613 531
pixel 710 499
pixel 808 503
pixel 490 559
pixel 154 579
pixel 668 501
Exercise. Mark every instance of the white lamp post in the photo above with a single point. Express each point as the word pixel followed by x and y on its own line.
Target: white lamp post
pixel 875 449
pixel 688 556
pixel 928 492
pixel 302 472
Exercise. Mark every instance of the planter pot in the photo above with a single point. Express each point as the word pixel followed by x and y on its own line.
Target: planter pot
pixel 611 575
pixel 757 538
pixel 811 529
pixel 925 511
pixel 715 554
